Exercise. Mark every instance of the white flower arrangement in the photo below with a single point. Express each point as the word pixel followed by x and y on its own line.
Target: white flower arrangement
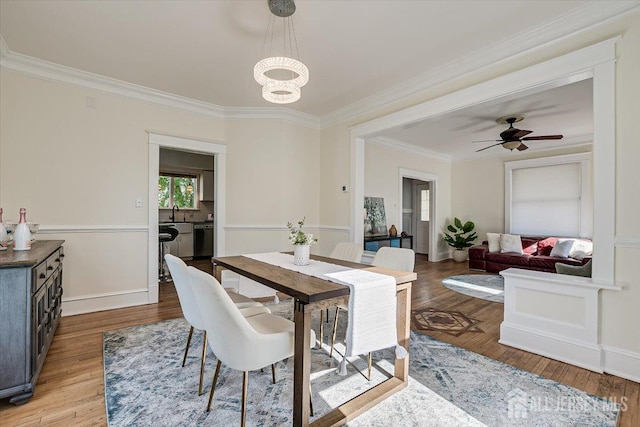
pixel 297 236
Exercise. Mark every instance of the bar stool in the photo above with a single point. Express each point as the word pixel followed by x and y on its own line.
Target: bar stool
pixel 166 234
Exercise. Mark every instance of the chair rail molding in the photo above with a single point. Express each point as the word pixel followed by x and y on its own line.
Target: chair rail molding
pixel 55 229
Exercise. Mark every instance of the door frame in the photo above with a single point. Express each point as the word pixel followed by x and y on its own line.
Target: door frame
pixel 432 179
pixel 199 146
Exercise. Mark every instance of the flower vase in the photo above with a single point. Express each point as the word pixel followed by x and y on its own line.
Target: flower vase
pixel 301 254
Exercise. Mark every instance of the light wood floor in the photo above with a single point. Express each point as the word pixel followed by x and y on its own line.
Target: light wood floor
pixel 70 390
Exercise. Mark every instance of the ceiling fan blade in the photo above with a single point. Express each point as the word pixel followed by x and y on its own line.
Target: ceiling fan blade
pixel 482 149
pixel 522 147
pixel 541 137
pixel 520 134
pixel 490 140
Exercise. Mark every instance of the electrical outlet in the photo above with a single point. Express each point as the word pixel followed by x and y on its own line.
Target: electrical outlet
pixel 139 202
pixel 345 189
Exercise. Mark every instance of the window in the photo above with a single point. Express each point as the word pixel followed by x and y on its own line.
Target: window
pixel 549 196
pixel 177 190
pixel 424 205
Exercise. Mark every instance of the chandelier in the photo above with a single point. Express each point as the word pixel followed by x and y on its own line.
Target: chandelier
pixel 281 77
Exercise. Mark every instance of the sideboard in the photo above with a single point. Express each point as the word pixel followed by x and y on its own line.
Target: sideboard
pixel 30 310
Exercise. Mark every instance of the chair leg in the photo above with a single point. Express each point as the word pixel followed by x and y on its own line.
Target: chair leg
pixel 369 376
pixel 202 360
pixel 186 350
pixel 335 329
pixel 273 372
pixel 321 327
pixel 310 401
pixel 245 384
pixel 213 385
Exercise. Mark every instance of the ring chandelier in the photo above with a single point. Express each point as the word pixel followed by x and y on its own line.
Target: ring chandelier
pixel 278 90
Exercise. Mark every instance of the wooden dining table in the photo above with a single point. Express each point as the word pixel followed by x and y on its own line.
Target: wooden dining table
pixel 311 294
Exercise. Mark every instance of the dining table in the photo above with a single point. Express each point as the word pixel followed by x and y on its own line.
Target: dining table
pixel 310 294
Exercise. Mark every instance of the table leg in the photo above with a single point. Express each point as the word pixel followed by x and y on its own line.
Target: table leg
pixel 403 324
pixel 301 364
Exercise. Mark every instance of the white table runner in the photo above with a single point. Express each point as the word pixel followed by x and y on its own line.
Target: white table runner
pixel 372 303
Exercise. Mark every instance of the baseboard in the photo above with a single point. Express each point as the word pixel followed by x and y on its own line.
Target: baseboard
pixel 106 301
pixel 582 354
pixel 622 363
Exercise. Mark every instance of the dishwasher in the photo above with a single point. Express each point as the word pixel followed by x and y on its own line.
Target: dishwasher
pixel 203 240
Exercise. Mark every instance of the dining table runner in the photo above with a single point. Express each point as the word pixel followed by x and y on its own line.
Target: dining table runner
pixel 372 303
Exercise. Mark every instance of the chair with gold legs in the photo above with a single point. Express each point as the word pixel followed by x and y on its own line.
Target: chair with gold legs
pixel 191 312
pixel 394 258
pixel 242 343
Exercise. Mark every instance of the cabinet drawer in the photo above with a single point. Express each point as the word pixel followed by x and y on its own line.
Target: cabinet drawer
pixel 40 276
pixel 53 262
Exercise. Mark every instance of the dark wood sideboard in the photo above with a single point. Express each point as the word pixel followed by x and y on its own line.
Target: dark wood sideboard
pixel 30 310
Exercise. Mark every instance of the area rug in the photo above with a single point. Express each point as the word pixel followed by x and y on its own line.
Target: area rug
pixel 449 386
pixel 489 287
pixel 453 323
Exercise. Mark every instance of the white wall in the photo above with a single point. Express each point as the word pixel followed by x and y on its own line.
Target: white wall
pixel 78 171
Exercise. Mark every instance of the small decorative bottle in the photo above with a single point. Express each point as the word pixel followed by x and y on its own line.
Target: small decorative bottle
pixel 22 235
pixel 393 231
pixel 4 236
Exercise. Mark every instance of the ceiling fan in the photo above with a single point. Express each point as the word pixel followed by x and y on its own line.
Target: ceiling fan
pixel 513 138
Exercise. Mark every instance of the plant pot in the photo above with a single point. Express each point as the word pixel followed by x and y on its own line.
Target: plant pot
pixel 301 254
pixel 459 255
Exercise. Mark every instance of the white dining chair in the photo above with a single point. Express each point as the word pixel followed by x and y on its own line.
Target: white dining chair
pixel 393 258
pixel 242 343
pixel 191 312
pixel 347 251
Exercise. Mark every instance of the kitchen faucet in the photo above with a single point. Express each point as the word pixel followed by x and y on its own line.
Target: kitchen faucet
pixel 173 212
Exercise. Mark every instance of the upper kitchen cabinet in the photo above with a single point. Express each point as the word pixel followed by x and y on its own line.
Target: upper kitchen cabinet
pixel 206 186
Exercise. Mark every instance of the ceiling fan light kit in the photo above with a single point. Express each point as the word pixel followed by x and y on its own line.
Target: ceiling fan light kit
pixel 512 138
pixel 281 91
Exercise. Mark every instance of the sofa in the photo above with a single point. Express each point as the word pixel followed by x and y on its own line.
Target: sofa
pixel 536 256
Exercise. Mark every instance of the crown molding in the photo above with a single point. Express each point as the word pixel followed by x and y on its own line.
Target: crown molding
pixel 591 15
pixel 410 148
pixel 275 113
pixel 50 71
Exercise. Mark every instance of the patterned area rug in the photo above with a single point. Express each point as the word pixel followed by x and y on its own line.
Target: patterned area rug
pixel 489 287
pixel 146 385
pixel 451 322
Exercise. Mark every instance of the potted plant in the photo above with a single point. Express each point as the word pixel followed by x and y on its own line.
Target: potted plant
pixel 461 237
pixel 301 242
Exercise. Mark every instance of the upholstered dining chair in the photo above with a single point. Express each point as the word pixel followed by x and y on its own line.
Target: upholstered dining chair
pixel 242 343
pixel 346 251
pixel 191 312
pixel 388 257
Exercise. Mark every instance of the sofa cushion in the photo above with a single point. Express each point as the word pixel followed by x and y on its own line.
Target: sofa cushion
pixel 549 262
pixel 581 248
pixel 562 248
pixel 509 258
pixel 546 245
pixel 478 252
pixel 510 243
pixel 493 240
pixel 529 245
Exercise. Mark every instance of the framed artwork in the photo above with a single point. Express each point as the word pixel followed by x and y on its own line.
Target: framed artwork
pixel 375 220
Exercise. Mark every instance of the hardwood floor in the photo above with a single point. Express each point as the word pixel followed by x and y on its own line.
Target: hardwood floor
pixel 70 390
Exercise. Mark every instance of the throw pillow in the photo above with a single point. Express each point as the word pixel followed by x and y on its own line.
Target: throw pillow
pixel 510 243
pixel 562 248
pixel 494 242
pixel 574 270
pixel 581 249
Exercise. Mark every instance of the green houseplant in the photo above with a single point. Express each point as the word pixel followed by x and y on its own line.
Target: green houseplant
pixel 461 236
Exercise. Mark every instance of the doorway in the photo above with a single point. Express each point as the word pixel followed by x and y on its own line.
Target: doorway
pixel 216 149
pixel 417 203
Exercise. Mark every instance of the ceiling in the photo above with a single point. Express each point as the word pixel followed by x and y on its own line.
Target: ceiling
pixel 565 110
pixel 206 50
